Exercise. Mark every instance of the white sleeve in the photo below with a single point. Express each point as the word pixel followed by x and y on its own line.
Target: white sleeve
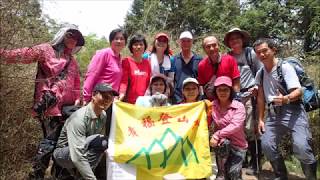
pixel 258 77
pixel 290 76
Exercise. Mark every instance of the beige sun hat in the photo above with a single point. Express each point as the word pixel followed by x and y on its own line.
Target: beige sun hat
pixel 245 36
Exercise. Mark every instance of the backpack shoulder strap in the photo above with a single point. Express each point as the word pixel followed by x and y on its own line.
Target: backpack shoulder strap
pixel 249 60
pixel 280 75
pixel 261 76
pixel 248 56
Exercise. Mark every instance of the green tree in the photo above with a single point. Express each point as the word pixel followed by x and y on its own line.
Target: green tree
pixel 133 20
pixel 21 23
pixel 293 23
pixel 93 43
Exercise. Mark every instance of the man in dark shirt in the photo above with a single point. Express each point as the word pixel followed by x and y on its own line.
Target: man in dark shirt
pixel 186 64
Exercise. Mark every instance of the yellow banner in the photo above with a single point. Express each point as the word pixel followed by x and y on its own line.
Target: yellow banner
pixel 163 140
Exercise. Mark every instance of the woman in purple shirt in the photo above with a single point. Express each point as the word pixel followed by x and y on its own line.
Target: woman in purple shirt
pixel 105 65
pixel 227 135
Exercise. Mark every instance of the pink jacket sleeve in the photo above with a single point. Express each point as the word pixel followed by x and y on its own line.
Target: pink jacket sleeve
pixel 77 83
pixel 25 55
pixel 236 124
pixel 125 76
pixel 94 70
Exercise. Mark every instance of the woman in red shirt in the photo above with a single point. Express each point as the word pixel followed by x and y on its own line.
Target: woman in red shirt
pixel 136 71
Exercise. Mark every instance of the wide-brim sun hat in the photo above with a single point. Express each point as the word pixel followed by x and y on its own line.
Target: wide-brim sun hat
pixel 78 34
pixel 223 80
pixel 245 36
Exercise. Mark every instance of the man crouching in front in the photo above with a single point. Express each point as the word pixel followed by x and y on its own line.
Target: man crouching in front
pixel 81 143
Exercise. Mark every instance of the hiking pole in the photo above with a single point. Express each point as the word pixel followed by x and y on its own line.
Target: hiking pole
pixel 247 96
pixel 254 108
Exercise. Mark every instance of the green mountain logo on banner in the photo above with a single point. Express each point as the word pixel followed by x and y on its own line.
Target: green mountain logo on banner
pixel 166 153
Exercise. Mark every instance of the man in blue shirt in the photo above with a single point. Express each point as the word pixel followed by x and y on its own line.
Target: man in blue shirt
pixel 185 64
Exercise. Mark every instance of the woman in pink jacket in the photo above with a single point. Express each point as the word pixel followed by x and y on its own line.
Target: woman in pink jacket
pixel 57 85
pixel 227 135
pixel 105 65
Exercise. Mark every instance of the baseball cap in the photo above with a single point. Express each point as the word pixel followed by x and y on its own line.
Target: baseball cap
pixel 186 35
pixel 158 75
pixel 105 87
pixel 189 80
pixel 223 80
pixel 161 34
pixel 245 35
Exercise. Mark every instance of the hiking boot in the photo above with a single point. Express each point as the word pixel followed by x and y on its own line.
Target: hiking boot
pixel 279 169
pixel 310 170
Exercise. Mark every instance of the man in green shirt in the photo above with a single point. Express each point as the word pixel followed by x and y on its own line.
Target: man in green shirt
pixel 81 143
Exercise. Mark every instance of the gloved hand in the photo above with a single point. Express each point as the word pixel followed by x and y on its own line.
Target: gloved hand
pixel 159 100
pixel 48 99
pixel 99 142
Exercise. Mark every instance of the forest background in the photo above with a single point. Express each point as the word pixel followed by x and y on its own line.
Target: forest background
pixel 294 24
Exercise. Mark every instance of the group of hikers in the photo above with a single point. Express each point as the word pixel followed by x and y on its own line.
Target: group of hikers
pixel 249 112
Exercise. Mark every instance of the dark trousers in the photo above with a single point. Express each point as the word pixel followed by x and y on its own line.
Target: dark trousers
pixel 51 127
pixel 108 121
pixel 229 161
pixel 95 154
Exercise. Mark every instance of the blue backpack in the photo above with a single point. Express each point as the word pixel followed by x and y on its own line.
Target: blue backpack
pixel 311 99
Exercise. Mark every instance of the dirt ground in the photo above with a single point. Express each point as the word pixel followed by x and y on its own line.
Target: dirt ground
pixel 265 174
pixel 268 175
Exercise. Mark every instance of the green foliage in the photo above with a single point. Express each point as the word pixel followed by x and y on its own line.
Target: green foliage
pixel 220 15
pixel 175 16
pixel 21 23
pixel 93 43
pixel 295 23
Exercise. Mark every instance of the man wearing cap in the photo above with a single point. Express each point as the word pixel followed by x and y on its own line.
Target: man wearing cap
pixel 216 65
pixel 186 64
pixel 237 40
pixel 81 143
